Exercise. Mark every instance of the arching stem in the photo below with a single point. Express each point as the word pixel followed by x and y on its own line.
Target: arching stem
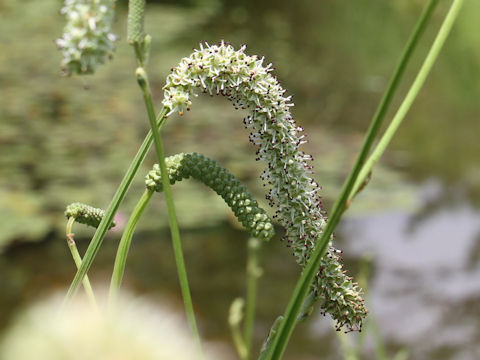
pixel 78 261
pixel 172 216
pixel 124 246
pixel 254 271
pixel 410 97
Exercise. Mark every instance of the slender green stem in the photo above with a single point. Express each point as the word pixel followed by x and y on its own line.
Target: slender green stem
pixel 235 317
pixel 124 245
pixel 380 348
pixel 382 108
pixel 303 285
pixel 307 307
pixel 239 343
pixel 253 274
pixel 78 261
pixel 348 352
pixel 384 104
pixel 172 217
pixel 138 54
pixel 117 199
pixel 267 344
pixel 121 191
pixel 411 95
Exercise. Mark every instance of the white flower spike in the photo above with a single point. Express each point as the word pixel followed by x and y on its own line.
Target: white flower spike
pixel 248 83
pixel 87 40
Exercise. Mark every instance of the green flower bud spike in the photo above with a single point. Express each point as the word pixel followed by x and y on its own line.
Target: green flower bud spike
pixel 87 40
pixel 135 33
pixel 136 17
pixel 249 84
pixel 86 214
pixel 211 173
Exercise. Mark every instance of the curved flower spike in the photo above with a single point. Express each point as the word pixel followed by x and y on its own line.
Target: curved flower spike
pixel 87 40
pixel 216 177
pixel 247 82
pixel 86 214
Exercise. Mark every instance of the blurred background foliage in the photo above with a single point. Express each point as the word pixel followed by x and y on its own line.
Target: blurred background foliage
pixel 71 139
pixel 62 143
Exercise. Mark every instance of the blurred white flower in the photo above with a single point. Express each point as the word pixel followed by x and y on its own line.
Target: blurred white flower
pixel 87 41
pixel 136 330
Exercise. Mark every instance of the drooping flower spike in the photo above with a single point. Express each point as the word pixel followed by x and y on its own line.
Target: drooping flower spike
pixel 86 214
pixel 87 40
pixel 249 84
pixel 211 173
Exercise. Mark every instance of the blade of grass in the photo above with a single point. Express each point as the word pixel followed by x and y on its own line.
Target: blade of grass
pixel 303 285
pixel 172 216
pixel 124 246
pixel 411 95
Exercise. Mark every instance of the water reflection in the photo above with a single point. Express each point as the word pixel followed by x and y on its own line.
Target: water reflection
pixel 423 292
pixel 426 279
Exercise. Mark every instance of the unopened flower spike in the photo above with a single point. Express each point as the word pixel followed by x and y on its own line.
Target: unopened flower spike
pixel 248 83
pixel 211 173
pixel 87 40
pixel 136 17
pixel 86 214
pixel 135 31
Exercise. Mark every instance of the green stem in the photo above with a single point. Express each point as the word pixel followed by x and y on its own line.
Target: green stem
pixel 347 350
pixel 267 344
pixel 411 95
pixel 303 285
pixel 78 261
pixel 135 25
pixel 384 104
pixel 235 317
pixel 124 245
pixel 238 341
pixel 253 274
pixel 380 348
pixel 172 217
pixel 117 199
pixel 138 54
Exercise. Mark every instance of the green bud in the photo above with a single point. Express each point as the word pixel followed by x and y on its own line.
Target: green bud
pixel 141 77
pixel 86 214
pixel 212 174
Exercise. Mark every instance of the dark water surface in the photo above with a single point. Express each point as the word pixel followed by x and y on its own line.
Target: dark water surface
pixel 417 223
pixel 423 290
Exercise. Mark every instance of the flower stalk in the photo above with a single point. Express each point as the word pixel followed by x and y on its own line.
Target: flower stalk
pixel 411 95
pixel 124 246
pixel 254 272
pixel 78 261
pixel 172 216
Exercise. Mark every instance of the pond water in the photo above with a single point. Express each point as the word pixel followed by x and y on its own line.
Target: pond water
pixel 417 234
pixel 423 287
